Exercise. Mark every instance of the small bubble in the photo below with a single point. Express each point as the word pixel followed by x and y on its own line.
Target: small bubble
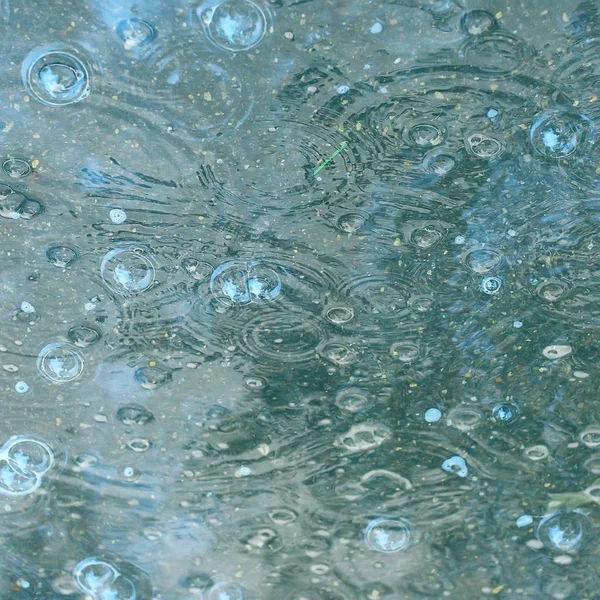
pixel 507 412
pixel 343 89
pixel 388 535
pixel 559 134
pixel 245 471
pixel 459 239
pixel 26 307
pixel 61 256
pixel 83 336
pixel 491 285
pixel 139 444
pixel 151 378
pixel 478 22
pixel 433 415
pixel 517 324
pixel 536 453
pixel 456 465
pixel 564 531
pixel 376 28
pixel 16 168
pixel 353 400
pixel 60 363
pixel 256 383
pixel 131 474
pixel 135 33
pixel 117 216
pixel 21 387
pixel 483 146
pixel 405 352
pixel 492 113
pixel 339 315
pixel 557 351
pixel 128 270
pixel 234 25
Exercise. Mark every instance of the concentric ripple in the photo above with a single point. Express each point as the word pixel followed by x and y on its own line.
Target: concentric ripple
pixel 57 75
pixel 496 54
pixel 233 25
pixel 244 173
pixel 283 336
pixel 185 87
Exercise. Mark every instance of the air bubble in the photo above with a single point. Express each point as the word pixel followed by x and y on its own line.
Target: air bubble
pixel 151 378
pixel 564 531
pixel 21 387
pixel 556 351
pixel 135 33
pixel 234 25
pixel 405 352
pixel 388 535
pixel 225 590
pixel 353 400
pixel 134 414
pixel 60 363
pixel 131 474
pixel 491 285
pixel 256 383
pixel 524 521
pixel 56 76
pixel 84 336
pixel 340 315
pixel 338 354
pixel 483 146
pixel 351 222
pixel 426 237
pixel 478 22
pixel 590 436
pixel 139 444
pixel 537 452
pixel 117 216
pixel 16 168
pixel 61 256
pixel 433 415
pixel 425 134
pixel 559 134
pixel 238 282
pixel 128 270
pixel 456 465
pixel 282 516
pixel 507 412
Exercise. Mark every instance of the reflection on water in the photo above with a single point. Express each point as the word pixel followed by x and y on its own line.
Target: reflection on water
pixel 299 300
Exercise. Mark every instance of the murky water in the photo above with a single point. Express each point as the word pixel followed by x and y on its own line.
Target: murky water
pixel 299 300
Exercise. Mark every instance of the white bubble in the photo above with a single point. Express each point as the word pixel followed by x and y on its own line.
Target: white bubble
pixel 27 308
pixel 433 415
pixel 492 113
pixel 456 465
pixel 376 28
pixel 459 239
pixel 517 324
pixel 524 520
pixel 117 216
pixel 245 471
pixel 343 89
pixel 21 387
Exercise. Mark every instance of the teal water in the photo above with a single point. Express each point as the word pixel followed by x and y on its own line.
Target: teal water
pixel 299 300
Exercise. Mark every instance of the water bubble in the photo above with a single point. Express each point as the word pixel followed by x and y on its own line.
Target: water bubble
pixel 404 351
pixel 353 400
pixel 563 531
pixel 433 415
pixel 482 260
pixel 226 590
pixel 263 539
pixel 128 270
pixel 238 282
pixel 26 307
pixel 507 412
pixel 117 216
pixel 388 535
pixel 556 351
pixel 256 383
pixel 440 163
pixel 339 315
pixel 590 436
pixel 134 414
pixel 28 457
pixel 282 516
pixel 152 377
pixel 83 336
pixel 234 25
pixel 15 205
pixel 21 387
pixel 139 444
pixel 56 76
pixel 131 474
pixel 491 285
pixel 426 237
pixel 351 222
pixel 558 134
pixel 552 290
pixel 135 33
pixel 537 452
pixel 456 465
pixel 343 89
pixel 16 168
pixel 478 22
pixel 364 436
pixel 60 363
pixel 425 134
pixel 338 354
pixel 61 256
pixel 483 146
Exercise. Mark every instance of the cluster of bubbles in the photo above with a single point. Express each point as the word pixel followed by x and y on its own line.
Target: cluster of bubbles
pixel 24 461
